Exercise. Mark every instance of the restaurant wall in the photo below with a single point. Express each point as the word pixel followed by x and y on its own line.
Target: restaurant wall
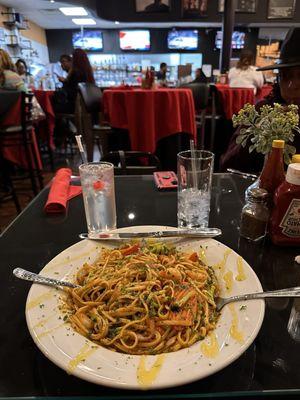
pixel 125 11
pixel 60 42
pixel 38 53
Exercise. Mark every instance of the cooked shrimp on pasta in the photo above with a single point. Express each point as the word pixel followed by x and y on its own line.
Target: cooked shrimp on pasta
pixel 144 299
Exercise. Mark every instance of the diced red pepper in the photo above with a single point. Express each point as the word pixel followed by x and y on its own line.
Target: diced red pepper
pixel 98 185
pixel 193 257
pixel 130 250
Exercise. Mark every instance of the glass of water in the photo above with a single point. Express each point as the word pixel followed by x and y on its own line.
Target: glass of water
pixel 194 171
pixel 98 189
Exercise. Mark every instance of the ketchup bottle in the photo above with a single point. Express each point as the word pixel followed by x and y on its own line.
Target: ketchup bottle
pixel 285 218
pixel 272 174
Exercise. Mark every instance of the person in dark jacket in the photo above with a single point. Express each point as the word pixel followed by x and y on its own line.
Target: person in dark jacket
pixel 81 71
pixel 200 76
pixel 285 91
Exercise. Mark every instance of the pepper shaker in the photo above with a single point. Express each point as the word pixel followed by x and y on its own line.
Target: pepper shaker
pixel 255 215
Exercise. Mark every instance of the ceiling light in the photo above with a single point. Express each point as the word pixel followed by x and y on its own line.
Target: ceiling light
pixel 52 1
pixel 84 21
pixel 73 11
pixel 117 22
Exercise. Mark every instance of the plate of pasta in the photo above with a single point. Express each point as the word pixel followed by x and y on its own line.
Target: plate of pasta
pixel 144 314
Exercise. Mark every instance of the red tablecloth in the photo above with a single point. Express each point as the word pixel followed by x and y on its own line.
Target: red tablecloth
pixel 263 92
pixel 16 154
pixel 46 127
pixel 233 99
pixel 150 115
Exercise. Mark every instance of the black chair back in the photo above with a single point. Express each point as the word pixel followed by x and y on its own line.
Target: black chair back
pixel 133 162
pixel 91 96
pixel 200 94
pixel 8 99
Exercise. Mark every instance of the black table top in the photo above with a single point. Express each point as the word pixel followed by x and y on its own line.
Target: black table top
pixel 270 364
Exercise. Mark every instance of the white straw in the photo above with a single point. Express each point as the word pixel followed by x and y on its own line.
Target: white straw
pixel 81 149
pixel 193 158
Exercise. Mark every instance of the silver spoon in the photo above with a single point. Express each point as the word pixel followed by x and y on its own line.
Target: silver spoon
pixel 220 302
pixel 32 277
pixel 289 292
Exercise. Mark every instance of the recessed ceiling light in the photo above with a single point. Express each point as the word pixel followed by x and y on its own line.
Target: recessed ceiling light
pixel 117 22
pixel 73 11
pixel 84 21
pixel 52 1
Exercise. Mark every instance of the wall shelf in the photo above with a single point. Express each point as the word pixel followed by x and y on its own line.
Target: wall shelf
pixel 15 24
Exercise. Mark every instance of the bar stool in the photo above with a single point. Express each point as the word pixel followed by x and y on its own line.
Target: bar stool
pixel 93 127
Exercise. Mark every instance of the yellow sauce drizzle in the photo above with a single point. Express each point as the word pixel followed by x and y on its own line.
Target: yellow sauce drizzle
pixel 38 300
pixel 85 352
pixel 43 321
pixel 234 332
pixel 210 350
pixel 228 279
pixel 202 256
pixel 146 376
pixel 49 331
pixel 221 265
pixel 241 273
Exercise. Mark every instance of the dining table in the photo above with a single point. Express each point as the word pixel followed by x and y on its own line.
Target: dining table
pixel 150 114
pixel 270 367
pixel 233 99
pixel 46 126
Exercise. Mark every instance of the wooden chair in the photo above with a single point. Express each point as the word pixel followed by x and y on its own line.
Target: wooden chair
pixel 133 162
pixel 94 130
pixel 21 135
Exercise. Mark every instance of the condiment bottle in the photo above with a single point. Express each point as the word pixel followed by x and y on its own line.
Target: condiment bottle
pixel 273 174
pixel 285 218
pixel 255 215
pixel 296 158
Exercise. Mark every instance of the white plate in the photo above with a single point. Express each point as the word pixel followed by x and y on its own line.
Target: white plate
pixel 79 356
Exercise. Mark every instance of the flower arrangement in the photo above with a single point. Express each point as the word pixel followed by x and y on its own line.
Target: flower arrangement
pixel 268 123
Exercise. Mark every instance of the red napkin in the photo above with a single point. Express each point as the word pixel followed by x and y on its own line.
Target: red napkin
pixel 61 191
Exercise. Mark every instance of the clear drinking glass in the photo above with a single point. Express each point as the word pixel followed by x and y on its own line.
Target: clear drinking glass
pixel 194 187
pixel 98 189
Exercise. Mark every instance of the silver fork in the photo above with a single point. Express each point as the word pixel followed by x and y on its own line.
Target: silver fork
pixel 289 292
pixel 32 277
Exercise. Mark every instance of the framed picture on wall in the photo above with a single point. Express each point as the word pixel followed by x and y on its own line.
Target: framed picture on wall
pixel 193 8
pixel 281 9
pixel 152 6
pixel 243 6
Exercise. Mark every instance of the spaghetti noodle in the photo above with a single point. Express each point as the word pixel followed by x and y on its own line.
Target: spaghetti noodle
pixel 144 299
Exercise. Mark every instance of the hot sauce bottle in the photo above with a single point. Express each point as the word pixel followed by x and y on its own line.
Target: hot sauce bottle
pixel 285 218
pixel 273 174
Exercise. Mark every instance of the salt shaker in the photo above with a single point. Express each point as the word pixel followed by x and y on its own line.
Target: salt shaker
pixel 255 215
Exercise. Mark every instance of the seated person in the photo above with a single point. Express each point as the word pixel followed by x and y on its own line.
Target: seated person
pixel 245 74
pixel 161 75
pixel 64 99
pixel 200 77
pixel 285 91
pixel 23 72
pixel 9 79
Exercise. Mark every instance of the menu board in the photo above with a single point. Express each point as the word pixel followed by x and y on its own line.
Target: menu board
pixel 281 9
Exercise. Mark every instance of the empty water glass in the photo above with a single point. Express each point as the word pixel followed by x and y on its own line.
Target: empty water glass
pixel 194 169
pixel 98 189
